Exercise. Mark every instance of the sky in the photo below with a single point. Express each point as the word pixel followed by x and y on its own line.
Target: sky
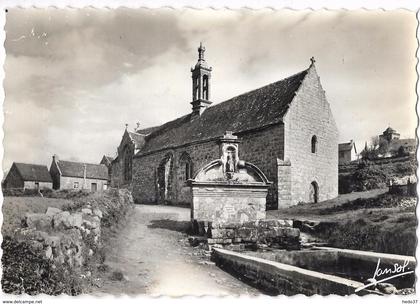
pixel 75 77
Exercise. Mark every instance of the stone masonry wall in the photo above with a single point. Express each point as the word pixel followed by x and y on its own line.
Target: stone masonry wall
pixel 261 148
pixel 309 115
pixel 68 183
pixel 52 251
pixel 145 172
pixel 278 234
pixel 42 185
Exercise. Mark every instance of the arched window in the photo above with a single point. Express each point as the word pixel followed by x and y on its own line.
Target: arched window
pixel 314 143
pixel 205 87
pixel 186 166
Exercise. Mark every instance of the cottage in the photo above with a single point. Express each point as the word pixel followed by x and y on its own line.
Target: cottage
pixel 286 129
pixel 107 161
pixel 347 152
pixel 77 175
pixel 28 176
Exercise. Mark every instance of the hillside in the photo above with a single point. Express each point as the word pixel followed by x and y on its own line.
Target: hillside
pixel 367 175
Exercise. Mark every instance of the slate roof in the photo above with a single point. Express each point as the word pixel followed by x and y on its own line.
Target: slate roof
pixel 252 110
pixel 30 172
pixel 76 169
pixel 346 146
pixel 108 158
pixel 137 138
pixel 147 131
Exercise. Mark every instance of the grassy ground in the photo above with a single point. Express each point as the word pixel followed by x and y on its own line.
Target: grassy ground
pixel 372 220
pixel 14 208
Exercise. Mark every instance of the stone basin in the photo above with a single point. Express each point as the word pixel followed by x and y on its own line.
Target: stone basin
pixel 320 270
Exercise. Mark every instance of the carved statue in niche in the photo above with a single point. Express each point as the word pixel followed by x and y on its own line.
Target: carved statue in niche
pixel 230 163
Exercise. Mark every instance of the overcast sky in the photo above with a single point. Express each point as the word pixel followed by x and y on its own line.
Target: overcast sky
pixel 75 77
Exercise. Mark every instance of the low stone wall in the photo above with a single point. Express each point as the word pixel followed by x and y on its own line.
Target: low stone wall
pixel 277 278
pixel 53 252
pixel 271 233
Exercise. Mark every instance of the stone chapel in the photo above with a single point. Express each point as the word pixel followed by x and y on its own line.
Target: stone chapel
pixel 285 128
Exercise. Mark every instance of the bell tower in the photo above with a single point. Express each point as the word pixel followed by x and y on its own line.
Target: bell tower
pixel 201 75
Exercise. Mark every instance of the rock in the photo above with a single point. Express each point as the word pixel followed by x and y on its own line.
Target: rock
pixel 53 241
pixel 76 220
pixel 61 220
pixel 48 252
pixel 98 213
pixel 87 211
pixel 38 221
pixel 117 276
pixel 206 263
pixel 386 288
pixel 51 211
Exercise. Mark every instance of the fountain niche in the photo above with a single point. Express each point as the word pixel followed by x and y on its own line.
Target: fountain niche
pixel 228 190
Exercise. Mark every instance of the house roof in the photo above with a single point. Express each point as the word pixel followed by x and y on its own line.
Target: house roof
pixel 76 169
pixel 252 110
pixel 31 172
pixel 390 130
pixel 109 159
pixel 346 146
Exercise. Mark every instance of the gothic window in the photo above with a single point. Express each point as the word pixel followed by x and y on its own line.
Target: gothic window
pixel 314 143
pixel 205 87
pixel 186 166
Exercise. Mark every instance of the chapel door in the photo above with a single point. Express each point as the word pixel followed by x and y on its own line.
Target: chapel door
pixel 313 193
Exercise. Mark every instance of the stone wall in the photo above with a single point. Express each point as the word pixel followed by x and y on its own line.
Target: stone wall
pixel 145 172
pixel 67 182
pixel 228 205
pixel 278 234
pixel 63 245
pixel 310 115
pixel 41 185
pixel 261 148
pixel 277 278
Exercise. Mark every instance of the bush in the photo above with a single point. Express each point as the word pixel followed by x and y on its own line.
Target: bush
pixel 26 271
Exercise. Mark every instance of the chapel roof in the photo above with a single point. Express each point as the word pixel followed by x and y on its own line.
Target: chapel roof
pixel 76 169
pixel 256 109
pixel 31 172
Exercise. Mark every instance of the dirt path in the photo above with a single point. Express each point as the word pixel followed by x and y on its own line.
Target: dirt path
pixel 153 254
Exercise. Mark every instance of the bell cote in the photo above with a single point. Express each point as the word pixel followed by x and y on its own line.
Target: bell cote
pixel 201 75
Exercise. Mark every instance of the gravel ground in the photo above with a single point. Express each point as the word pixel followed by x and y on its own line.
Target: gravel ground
pixel 151 255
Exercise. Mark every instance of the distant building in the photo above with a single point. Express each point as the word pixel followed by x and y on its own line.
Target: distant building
pixel 347 152
pixel 28 176
pixel 397 146
pixel 77 175
pixel 130 144
pixel 389 134
pixel 403 146
pixel 107 161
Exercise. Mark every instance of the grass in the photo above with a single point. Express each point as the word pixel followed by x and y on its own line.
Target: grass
pixel 14 209
pixel 371 220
